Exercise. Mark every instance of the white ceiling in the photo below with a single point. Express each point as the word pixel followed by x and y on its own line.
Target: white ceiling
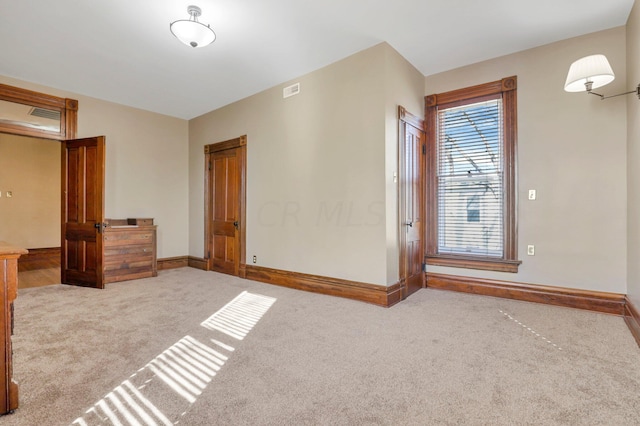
pixel 123 51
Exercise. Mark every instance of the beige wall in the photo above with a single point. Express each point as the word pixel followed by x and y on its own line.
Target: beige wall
pixel 30 169
pixel 633 156
pixel 572 150
pixel 146 164
pixel 404 86
pixel 318 176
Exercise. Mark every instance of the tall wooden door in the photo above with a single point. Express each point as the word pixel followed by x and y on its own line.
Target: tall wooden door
pixel 83 212
pixel 412 151
pixel 225 162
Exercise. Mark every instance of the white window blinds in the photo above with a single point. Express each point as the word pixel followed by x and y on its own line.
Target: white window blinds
pixel 470 179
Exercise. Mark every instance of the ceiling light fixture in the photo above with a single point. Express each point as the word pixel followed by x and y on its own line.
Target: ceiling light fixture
pixel 591 72
pixel 190 31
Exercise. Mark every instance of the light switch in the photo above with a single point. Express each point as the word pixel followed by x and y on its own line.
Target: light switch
pixel 531 250
pixel 9 194
pixel 532 194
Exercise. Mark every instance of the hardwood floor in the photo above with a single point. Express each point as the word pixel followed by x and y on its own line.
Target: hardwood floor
pixel 39 267
pixel 38 277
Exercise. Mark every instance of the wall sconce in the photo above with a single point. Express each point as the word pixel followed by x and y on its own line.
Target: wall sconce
pixel 591 72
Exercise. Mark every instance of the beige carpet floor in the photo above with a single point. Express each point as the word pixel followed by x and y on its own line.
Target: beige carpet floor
pixel 199 348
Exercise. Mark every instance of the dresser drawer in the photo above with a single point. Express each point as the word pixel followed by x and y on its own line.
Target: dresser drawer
pixel 123 237
pixel 121 257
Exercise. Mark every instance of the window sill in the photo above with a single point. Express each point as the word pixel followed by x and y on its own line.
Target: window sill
pixel 473 262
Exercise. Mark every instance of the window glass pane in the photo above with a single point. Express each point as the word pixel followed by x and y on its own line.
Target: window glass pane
pixel 470 181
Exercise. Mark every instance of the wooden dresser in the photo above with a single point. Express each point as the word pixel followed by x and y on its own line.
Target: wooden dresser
pixel 9 291
pixel 129 250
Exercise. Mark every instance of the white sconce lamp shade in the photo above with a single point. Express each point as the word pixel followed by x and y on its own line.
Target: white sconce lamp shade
pixel 594 69
pixel 191 32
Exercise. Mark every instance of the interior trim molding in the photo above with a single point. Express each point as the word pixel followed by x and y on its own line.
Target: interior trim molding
pixel 198 263
pixel 504 89
pixel 371 293
pixel 40 258
pixel 173 262
pixel 610 303
pixel 632 318
pixel 38 253
pixel 68 109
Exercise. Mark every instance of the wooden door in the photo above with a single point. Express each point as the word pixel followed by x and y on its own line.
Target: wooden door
pixel 411 190
pixel 225 162
pixel 83 212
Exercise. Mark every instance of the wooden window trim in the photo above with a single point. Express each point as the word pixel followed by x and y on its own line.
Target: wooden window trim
pixel 506 88
pixel 68 113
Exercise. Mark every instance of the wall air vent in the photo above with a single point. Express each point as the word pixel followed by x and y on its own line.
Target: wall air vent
pixel 45 113
pixel 288 91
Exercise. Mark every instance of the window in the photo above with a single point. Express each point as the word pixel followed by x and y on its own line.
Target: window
pixel 471 172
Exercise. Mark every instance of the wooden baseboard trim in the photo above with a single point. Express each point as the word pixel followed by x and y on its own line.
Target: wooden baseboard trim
pixel 394 294
pixel 42 252
pixel 370 293
pixel 610 303
pixel 40 258
pixel 632 318
pixel 173 262
pixel 197 262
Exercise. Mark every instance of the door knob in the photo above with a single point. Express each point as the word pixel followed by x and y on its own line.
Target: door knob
pixel 235 224
pixel 409 224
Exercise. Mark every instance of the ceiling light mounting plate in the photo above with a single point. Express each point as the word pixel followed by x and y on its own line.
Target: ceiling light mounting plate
pixel 194 11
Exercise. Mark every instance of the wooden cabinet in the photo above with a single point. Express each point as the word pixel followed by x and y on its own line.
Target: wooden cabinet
pixel 129 252
pixel 8 291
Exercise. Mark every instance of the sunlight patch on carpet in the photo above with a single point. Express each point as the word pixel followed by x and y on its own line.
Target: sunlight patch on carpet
pixel 532 331
pixel 119 406
pixel 238 317
pixel 184 369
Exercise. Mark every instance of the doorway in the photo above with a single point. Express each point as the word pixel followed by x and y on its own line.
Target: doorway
pixel 411 159
pixel 30 205
pixel 32 124
pixel 225 206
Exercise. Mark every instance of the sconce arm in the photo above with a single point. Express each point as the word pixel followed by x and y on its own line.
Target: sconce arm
pixel 603 97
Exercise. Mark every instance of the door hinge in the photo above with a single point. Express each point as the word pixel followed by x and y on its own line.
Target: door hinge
pixel 209 165
pixel 424 150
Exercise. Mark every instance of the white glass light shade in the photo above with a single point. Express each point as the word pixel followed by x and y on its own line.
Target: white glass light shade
pixel 594 68
pixel 192 33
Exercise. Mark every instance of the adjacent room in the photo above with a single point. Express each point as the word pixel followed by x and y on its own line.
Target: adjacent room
pixel 411 212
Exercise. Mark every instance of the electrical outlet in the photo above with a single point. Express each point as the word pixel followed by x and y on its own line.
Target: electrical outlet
pixel 255 259
pixel 9 194
pixel 532 194
pixel 531 250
